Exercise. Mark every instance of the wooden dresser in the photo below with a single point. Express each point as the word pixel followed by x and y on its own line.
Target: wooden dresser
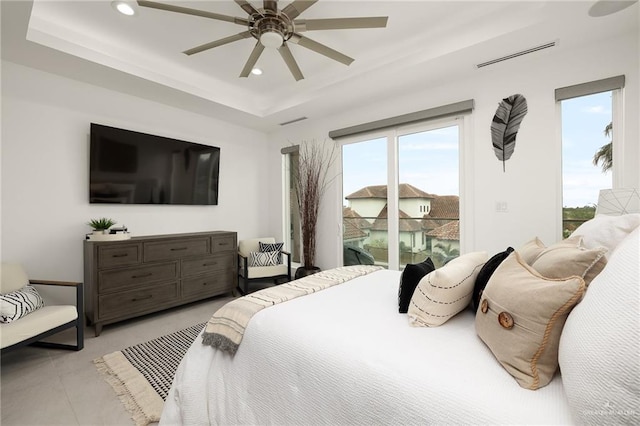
pixel 126 279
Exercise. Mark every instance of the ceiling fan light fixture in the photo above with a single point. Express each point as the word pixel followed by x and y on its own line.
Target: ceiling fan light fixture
pixel 271 39
pixel 256 71
pixel 123 7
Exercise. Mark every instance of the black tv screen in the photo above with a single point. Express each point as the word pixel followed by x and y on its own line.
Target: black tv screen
pixel 128 167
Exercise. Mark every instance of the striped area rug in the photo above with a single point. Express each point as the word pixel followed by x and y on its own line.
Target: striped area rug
pixel 142 374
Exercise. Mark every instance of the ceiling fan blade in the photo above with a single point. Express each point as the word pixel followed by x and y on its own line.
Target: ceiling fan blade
pixel 271 5
pixel 293 10
pixel 340 23
pixel 253 58
pixel 217 43
pixel 321 49
pixel 244 4
pixel 195 12
pixel 290 61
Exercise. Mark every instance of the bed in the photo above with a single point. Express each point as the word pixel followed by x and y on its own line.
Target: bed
pixel 344 355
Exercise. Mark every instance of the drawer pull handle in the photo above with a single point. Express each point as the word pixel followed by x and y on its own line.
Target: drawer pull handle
pixel 178 248
pixel 223 244
pixel 205 283
pixel 142 275
pixel 121 255
pixel 210 264
pixel 138 299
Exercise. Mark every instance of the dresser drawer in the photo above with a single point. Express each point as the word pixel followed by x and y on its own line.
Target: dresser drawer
pixel 125 278
pixel 208 284
pixel 119 255
pixel 132 301
pixel 203 265
pixel 223 243
pixel 175 249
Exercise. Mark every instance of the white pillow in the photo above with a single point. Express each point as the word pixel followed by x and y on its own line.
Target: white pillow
pixel 607 231
pixel 12 278
pixel 18 304
pixel 446 291
pixel 599 352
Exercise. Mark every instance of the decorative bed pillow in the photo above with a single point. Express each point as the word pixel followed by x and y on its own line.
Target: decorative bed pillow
pixel 409 280
pixel 521 316
pixel 265 247
pixel 531 249
pixel 485 273
pixel 570 257
pixel 446 291
pixel 20 303
pixel 607 231
pixel 267 258
pixel 600 344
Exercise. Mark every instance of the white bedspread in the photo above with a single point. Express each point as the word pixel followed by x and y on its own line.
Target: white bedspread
pixel 346 356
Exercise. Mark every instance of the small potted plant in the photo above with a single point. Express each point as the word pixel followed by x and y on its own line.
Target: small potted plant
pixel 100 226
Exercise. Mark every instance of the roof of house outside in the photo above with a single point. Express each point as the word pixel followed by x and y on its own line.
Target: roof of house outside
pixel 448 232
pixel 407 224
pixel 405 190
pixel 354 225
pixel 442 207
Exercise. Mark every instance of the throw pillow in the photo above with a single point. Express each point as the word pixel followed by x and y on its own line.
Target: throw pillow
pixel 446 291
pixel 521 316
pixel 409 280
pixel 531 249
pixel 600 344
pixel 264 247
pixel 20 303
pixel 12 277
pixel 570 257
pixel 485 273
pixel 607 231
pixel 267 258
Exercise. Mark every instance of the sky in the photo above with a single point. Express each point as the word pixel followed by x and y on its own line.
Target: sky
pixel 429 160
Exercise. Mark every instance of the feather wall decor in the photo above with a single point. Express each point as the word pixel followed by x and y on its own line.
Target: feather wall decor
pixel 505 125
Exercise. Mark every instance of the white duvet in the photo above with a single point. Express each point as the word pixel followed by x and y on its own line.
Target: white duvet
pixel 345 355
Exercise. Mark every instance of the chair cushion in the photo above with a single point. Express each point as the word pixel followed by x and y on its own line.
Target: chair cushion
pixel 18 304
pixel 266 258
pixel 35 323
pixel 247 246
pixel 267 247
pixel 266 271
pixel 13 277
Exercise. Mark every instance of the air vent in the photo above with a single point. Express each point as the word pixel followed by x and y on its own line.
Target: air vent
pixel 295 120
pixel 515 55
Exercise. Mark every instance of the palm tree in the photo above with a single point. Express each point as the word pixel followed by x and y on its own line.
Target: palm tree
pixel 605 154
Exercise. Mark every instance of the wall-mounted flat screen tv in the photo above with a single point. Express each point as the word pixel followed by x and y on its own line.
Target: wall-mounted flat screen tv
pixel 128 167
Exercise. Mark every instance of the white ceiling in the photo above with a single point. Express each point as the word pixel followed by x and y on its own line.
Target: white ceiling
pixel 424 43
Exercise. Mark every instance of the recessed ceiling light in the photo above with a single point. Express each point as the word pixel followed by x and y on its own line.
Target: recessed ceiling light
pixel 123 7
pixel 256 71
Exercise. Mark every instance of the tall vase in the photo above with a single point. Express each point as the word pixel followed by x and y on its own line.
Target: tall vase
pixel 302 272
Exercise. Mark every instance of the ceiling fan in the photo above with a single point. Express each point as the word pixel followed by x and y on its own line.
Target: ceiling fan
pixel 274 28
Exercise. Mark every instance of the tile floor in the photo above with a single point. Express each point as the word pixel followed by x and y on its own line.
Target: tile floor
pixel 42 386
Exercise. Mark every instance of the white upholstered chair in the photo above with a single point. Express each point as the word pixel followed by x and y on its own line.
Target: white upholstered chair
pixel 41 322
pixel 275 271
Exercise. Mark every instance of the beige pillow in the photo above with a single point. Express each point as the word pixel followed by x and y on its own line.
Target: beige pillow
pixel 570 257
pixel 531 249
pixel 12 277
pixel 446 291
pixel 521 316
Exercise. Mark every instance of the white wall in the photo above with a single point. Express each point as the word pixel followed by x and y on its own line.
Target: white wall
pixel 531 185
pixel 45 141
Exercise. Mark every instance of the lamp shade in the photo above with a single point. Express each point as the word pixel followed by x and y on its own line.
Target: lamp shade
pixel 618 201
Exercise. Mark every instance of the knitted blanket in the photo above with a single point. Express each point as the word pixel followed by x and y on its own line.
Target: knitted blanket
pixel 226 327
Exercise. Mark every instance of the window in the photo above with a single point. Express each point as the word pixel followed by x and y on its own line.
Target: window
pixel 591 149
pixel 401 195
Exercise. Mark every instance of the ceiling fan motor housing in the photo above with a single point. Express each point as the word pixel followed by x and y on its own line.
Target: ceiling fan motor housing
pixel 272 29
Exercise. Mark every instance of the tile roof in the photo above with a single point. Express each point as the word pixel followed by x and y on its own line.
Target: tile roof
pixel 407 224
pixel 405 190
pixel 353 225
pixel 450 231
